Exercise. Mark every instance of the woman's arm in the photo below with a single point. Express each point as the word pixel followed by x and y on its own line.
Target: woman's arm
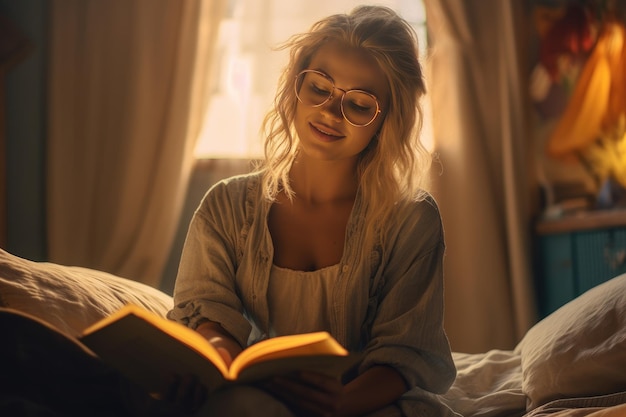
pixel 225 344
pixel 375 388
pixel 407 327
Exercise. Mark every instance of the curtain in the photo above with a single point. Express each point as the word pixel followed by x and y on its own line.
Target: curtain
pixel 482 181
pixel 128 83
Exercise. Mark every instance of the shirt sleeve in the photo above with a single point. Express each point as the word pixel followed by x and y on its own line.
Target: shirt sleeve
pixel 205 286
pixel 407 331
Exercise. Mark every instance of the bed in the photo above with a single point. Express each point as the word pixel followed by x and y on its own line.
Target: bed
pixel 571 364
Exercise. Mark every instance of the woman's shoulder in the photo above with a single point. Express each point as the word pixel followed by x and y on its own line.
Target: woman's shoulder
pixel 233 190
pixel 421 206
pixel 419 214
pixel 236 185
pixel 238 182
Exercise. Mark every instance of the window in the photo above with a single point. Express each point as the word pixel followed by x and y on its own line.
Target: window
pixel 247 68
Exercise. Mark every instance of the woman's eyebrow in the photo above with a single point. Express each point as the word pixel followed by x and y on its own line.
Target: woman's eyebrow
pixel 367 90
pixel 323 72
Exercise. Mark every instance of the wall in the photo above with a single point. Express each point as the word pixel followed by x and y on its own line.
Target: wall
pixel 25 133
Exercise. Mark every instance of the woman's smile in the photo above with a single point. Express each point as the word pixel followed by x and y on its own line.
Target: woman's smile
pixel 325 133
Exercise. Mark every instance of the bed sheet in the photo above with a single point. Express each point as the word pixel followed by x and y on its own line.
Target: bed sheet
pixel 612 405
pixel 487 385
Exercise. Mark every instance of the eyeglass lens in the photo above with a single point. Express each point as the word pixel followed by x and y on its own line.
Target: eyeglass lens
pixel 314 89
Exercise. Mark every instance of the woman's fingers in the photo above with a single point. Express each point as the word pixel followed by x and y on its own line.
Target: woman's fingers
pixel 225 354
pixel 184 391
pixel 309 393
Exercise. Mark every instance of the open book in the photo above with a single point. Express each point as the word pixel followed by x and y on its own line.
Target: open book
pixel 148 348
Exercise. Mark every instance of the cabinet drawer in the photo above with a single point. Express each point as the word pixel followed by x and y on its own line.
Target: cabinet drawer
pixel 572 263
pixel 556 283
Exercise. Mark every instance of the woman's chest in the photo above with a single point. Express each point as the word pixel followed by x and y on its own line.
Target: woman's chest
pixel 308 238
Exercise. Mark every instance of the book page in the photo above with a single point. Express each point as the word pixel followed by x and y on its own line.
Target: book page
pixel 308 344
pixel 330 365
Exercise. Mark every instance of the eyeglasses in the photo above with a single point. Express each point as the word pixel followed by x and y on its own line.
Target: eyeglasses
pixel 314 88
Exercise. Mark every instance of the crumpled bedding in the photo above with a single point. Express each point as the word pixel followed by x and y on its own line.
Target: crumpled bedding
pixel 490 385
pixel 612 405
pixel 487 385
pixel 45 372
pixel 576 353
pixel 69 297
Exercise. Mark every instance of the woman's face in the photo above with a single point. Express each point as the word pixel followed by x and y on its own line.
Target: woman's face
pixel 323 131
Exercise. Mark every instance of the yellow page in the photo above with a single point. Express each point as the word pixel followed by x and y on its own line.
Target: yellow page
pixel 308 344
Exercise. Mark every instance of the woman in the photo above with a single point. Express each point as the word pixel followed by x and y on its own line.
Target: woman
pixel 333 232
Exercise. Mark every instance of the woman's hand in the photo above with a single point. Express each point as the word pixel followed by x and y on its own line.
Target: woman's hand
pixel 308 394
pixel 185 391
pixel 312 395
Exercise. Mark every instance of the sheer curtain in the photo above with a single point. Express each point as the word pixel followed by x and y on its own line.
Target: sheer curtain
pixel 478 86
pixel 128 86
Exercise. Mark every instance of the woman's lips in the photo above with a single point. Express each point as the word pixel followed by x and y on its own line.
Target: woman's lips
pixel 325 133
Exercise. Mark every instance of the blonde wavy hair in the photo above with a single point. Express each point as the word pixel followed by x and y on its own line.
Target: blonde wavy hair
pixel 394 166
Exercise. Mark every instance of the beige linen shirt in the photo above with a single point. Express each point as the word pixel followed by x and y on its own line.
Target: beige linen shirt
pixel 387 301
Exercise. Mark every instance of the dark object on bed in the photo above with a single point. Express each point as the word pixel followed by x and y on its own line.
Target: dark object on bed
pixel 46 373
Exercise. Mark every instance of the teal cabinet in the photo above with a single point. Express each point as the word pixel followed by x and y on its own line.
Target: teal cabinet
pixel 556 283
pixel 601 255
pixel 574 255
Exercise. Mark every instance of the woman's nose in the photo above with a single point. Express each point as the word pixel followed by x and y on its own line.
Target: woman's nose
pixel 333 106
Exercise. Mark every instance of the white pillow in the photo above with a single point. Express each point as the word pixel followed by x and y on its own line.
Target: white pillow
pixel 580 349
pixel 68 297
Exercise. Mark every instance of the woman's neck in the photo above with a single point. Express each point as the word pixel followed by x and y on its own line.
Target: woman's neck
pixel 319 182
